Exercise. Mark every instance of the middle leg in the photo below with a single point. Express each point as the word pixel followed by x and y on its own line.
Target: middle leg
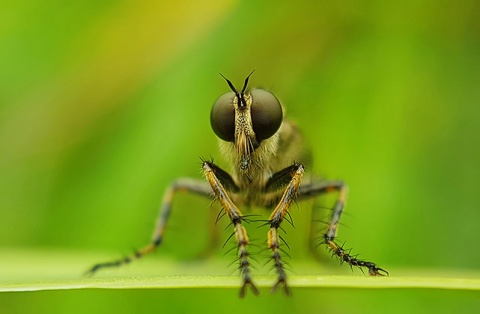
pixel 322 187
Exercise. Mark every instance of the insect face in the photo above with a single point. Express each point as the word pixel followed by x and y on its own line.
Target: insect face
pixel 246 119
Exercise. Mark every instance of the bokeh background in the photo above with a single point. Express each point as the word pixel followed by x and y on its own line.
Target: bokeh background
pixel 103 103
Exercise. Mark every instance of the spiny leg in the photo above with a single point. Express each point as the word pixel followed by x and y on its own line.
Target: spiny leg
pixel 212 173
pixel 317 188
pixel 295 172
pixel 185 184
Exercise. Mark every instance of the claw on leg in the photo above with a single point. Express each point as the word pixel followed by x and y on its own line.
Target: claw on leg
pixel 248 283
pixel 282 282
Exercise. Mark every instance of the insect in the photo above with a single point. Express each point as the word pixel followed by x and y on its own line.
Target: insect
pixel 261 147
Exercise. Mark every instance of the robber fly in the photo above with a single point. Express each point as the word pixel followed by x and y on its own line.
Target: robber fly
pixel 261 148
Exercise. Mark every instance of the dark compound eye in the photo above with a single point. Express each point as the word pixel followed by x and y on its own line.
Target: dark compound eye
pixel 222 117
pixel 266 113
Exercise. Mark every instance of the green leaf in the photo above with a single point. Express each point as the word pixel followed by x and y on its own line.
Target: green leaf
pixel 34 270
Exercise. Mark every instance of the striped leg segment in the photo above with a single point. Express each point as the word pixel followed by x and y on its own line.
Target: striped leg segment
pixel 210 170
pixel 186 185
pixel 276 218
pixel 330 234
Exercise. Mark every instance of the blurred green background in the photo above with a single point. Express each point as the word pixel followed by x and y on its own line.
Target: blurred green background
pixel 104 103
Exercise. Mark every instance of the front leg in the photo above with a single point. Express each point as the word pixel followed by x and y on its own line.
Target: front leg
pixel 295 173
pixel 213 174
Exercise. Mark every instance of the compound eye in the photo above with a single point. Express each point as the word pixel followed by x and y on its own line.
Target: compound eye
pixel 222 117
pixel 266 113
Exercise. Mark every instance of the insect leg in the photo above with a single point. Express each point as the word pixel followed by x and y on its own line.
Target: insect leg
pixel 188 185
pixel 211 171
pixel 296 172
pixel 317 188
